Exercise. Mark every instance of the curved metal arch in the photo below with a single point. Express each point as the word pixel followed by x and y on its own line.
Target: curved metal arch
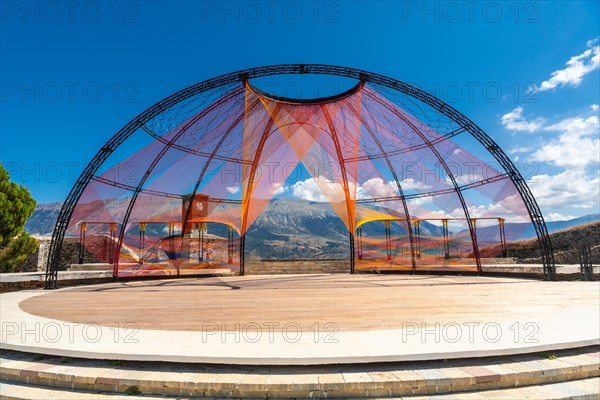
pixel 457 190
pixel 336 142
pixel 408 149
pixel 320 100
pixel 151 167
pixel 207 164
pixel 401 195
pixel 188 150
pixel 437 192
pixel 223 80
pixel 246 199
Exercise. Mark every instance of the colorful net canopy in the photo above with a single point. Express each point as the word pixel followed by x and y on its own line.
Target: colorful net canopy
pixel 413 189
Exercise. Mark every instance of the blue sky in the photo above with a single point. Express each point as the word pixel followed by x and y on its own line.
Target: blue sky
pixel 74 75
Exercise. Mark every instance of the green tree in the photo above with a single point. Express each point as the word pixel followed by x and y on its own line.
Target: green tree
pixel 16 205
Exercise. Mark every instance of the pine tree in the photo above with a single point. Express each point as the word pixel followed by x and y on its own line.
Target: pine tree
pixel 16 205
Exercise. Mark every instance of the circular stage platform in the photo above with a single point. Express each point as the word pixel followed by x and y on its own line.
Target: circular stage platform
pixel 303 319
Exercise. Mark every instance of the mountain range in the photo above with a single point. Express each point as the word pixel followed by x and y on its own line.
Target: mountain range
pixel 303 229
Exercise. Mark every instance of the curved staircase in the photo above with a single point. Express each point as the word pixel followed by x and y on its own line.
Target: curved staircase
pixel 565 374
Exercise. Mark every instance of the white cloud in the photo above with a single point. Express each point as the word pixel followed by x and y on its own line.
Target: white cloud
pixel 577 146
pixel 420 201
pixel 308 190
pixel 577 68
pixel 571 188
pixel 515 121
pixel 325 190
pixel 519 149
pixel 577 126
pixel 511 208
pixel 557 217
pixel 320 189
pixel 464 179
pixel 232 189
pixel 594 107
pixel 410 183
pixel 376 187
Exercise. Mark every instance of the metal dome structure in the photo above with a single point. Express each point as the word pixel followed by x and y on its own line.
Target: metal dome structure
pixel 382 152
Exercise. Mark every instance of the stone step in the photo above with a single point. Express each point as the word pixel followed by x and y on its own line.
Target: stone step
pixel 20 391
pixel 582 389
pixel 365 380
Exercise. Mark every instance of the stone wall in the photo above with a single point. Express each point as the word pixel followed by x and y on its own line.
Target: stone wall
pixel 36 261
pixel 69 255
pixel 255 267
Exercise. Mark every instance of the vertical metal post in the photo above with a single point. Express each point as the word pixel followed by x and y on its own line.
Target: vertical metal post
pixel 388 240
pixel 502 237
pixel 82 229
pixel 113 233
pixel 585 261
pixel 476 251
pixel 172 245
pixel 116 253
pixel 142 240
pixel 418 238
pixel 351 234
pixel 229 245
pixel 201 242
pixel 242 246
pixel 446 239
pixel 360 244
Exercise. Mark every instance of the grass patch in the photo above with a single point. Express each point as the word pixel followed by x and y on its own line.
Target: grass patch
pixel 133 391
pixel 39 357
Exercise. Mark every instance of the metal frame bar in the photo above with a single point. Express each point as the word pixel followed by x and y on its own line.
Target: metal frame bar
pixel 585 262
pixel 212 156
pixel 155 162
pixel 418 237
pixel 248 195
pixel 111 250
pixel 400 192
pixel 338 150
pixel 359 243
pixel 82 230
pixel 191 151
pixel 448 171
pixel 201 240
pixel 140 120
pixel 437 192
pixel 502 236
pixel 415 147
pixel 388 239
pixel 446 239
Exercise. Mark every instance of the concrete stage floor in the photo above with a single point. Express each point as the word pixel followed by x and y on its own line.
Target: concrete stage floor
pixel 304 319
